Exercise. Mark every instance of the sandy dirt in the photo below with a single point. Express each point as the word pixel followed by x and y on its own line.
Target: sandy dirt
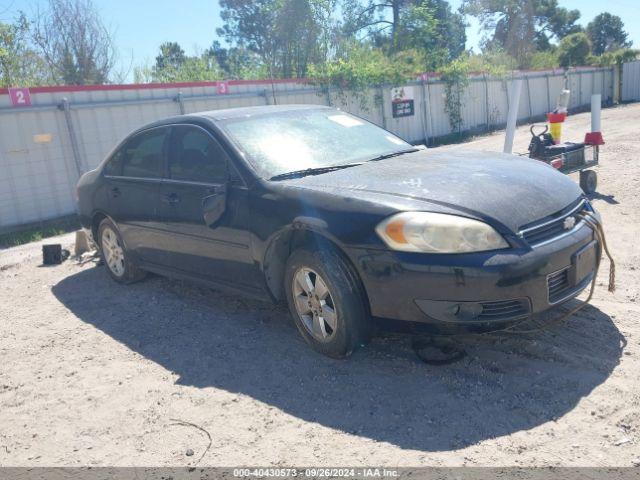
pixel 96 373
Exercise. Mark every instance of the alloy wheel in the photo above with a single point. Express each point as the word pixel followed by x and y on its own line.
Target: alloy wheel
pixel 113 252
pixel 314 304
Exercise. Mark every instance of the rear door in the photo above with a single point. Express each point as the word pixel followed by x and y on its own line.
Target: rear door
pixel 199 171
pixel 133 176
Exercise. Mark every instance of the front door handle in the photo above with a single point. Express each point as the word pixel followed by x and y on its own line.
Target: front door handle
pixel 115 192
pixel 171 199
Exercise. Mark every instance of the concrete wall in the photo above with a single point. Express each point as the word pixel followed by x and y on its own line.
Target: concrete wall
pixel 44 148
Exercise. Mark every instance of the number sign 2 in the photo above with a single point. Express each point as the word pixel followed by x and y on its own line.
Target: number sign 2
pixel 20 97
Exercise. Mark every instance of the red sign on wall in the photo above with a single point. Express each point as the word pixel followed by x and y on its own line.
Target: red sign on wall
pixel 20 97
pixel 222 88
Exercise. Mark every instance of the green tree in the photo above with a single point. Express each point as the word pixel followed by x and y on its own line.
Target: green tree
pixel 287 35
pixel 616 57
pixel 396 25
pixel 607 34
pixel 451 28
pixel 522 27
pixel 574 50
pixel 75 43
pixel 172 65
pixel 431 26
pixel 171 56
pixel 238 62
pixel 20 65
pixel 554 23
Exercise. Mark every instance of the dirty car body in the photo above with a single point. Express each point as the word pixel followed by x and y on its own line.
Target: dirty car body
pixel 513 243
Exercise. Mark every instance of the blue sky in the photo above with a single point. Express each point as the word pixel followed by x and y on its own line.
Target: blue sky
pixel 141 25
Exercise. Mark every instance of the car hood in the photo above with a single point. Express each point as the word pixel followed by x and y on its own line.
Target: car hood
pixel 507 189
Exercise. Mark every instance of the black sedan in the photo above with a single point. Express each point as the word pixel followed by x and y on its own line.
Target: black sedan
pixel 340 218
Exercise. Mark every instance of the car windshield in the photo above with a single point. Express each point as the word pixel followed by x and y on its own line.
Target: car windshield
pixel 279 143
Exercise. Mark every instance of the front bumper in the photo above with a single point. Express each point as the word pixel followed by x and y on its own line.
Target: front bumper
pixel 477 288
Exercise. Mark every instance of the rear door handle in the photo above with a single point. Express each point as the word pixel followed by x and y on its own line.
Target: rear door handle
pixel 115 192
pixel 171 199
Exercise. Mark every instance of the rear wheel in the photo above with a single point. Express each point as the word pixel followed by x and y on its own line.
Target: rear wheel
pixel 588 181
pixel 326 301
pixel 115 256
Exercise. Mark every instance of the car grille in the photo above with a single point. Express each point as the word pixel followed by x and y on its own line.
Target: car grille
pixel 504 310
pixel 558 285
pixel 550 227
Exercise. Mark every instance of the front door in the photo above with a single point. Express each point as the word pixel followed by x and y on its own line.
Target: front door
pixel 205 211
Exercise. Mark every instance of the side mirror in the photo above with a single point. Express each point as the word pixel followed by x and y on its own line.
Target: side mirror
pixel 214 205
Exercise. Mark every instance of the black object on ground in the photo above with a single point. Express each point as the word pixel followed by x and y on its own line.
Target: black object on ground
pixel 53 254
pixel 437 351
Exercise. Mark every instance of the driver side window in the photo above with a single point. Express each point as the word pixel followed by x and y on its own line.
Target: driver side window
pixel 196 157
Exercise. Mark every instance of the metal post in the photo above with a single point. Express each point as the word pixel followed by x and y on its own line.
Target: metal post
pixel 384 116
pixel 579 89
pixel 64 106
pixel 616 87
pixel 178 100
pixel 529 96
pixel 423 117
pixel 548 93
pixel 329 95
pixel 506 92
pixel 430 115
pixel 486 101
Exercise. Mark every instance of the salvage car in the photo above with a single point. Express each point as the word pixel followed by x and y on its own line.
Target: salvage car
pixel 343 220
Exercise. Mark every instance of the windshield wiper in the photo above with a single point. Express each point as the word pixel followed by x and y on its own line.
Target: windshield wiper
pixel 319 170
pixel 312 171
pixel 393 154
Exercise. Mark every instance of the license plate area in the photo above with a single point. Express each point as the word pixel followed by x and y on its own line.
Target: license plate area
pixel 583 262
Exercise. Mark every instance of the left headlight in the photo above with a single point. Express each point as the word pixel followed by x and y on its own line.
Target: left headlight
pixel 438 233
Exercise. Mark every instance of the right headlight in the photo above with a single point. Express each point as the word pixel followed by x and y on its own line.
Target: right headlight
pixel 438 233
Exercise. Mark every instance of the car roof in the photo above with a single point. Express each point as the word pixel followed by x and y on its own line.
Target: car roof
pixel 229 113
pixel 259 110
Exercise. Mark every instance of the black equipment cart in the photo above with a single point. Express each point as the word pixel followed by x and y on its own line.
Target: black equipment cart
pixel 567 157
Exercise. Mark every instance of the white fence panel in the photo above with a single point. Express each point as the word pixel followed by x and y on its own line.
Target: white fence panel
pixel 439 117
pixel 37 180
pixel 631 82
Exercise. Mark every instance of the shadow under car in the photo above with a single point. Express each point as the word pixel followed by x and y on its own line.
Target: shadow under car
pixel 383 392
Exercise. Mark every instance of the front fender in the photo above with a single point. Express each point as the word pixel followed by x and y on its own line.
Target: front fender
pixel 302 231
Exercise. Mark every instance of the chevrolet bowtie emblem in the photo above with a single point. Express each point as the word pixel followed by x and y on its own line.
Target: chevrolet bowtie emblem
pixel 569 223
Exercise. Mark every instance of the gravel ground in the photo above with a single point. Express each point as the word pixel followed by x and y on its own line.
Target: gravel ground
pixel 95 373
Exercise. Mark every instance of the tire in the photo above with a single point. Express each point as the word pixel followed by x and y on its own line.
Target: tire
pixel 114 255
pixel 339 335
pixel 588 181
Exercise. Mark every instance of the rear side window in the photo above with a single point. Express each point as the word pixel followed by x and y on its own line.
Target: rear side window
pixel 142 155
pixel 195 156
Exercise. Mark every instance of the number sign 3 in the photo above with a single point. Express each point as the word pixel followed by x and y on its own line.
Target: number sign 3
pixel 20 97
pixel 222 88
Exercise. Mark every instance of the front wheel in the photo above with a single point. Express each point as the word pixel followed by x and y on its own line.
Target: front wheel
pixel 327 302
pixel 115 256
